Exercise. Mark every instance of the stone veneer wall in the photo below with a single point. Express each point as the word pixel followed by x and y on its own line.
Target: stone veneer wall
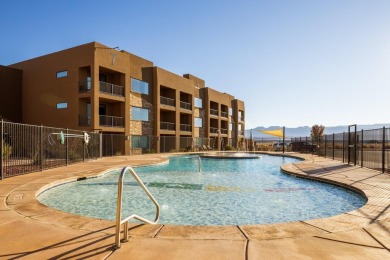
pixel 140 127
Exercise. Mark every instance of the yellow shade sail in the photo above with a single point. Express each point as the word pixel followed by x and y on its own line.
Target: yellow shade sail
pixel 277 132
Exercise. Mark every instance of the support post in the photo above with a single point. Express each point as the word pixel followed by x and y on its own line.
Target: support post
pixel 84 146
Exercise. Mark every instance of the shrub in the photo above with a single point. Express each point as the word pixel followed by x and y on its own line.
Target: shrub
pixel 7 150
pixel 228 148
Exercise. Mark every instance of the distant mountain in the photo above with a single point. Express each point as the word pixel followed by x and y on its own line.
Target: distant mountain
pixel 303 131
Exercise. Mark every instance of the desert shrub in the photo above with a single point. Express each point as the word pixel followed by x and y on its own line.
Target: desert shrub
pixel 228 148
pixel 7 150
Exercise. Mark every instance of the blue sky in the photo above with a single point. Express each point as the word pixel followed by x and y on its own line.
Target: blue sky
pixel 293 62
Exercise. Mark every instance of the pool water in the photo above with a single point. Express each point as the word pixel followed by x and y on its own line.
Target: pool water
pixel 226 192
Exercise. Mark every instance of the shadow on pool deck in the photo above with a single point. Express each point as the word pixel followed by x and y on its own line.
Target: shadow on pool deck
pixel 29 230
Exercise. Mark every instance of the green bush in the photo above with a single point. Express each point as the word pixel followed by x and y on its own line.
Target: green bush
pixel 228 148
pixel 7 150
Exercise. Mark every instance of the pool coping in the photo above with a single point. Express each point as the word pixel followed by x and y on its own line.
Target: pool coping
pixel 21 199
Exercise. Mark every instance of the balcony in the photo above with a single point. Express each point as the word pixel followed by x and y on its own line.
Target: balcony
pixel 224 131
pixel 167 126
pixel 84 86
pixel 185 105
pixel 240 132
pixel 167 101
pixel 213 130
pixel 213 112
pixel 111 89
pixel 84 120
pixel 111 121
pixel 185 128
pixel 241 119
pixel 224 114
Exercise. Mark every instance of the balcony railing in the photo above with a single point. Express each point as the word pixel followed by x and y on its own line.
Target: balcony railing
pixel 84 120
pixel 112 89
pixel 241 118
pixel 185 105
pixel 224 114
pixel 167 126
pixel 213 112
pixel 224 131
pixel 213 130
pixel 167 101
pixel 111 121
pixel 240 132
pixel 185 128
pixel 84 86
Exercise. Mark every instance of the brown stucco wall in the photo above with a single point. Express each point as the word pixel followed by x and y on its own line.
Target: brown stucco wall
pixel 11 94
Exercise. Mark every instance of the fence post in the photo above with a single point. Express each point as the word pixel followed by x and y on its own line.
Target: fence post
pixel 1 148
pixel 333 146
pixel 361 151
pixel 84 146
pixel 383 149
pixel 325 147
pixel 41 146
pixel 67 147
pixel 343 147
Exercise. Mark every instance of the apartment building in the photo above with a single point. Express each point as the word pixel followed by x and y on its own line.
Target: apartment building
pixel 93 87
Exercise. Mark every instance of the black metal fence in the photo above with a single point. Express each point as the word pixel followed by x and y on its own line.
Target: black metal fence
pixel 29 148
pixel 366 148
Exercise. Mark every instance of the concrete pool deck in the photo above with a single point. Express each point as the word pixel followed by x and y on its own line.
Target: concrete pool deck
pixel 30 230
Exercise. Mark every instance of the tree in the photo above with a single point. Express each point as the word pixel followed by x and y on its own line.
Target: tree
pixel 316 132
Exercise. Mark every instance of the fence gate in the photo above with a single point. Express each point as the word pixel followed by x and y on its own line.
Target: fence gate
pixel 352 144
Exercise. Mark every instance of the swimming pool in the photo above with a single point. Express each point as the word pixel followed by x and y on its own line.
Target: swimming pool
pixel 226 192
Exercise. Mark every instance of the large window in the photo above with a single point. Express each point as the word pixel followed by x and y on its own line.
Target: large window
pixel 198 102
pixel 198 122
pixel 62 105
pixel 139 86
pixel 62 74
pixel 230 111
pixel 230 126
pixel 140 114
pixel 139 141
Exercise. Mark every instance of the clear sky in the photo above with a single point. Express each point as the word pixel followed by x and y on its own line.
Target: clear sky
pixel 293 62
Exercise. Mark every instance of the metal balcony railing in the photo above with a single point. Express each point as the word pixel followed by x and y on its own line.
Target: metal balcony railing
pixel 213 130
pixel 111 121
pixel 167 126
pixel 112 89
pixel 214 112
pixel 224 114
pixel 84 86
pixel 185 105
pixel 84 120
pixel 167 101
pixel 224 131
pixel 185 128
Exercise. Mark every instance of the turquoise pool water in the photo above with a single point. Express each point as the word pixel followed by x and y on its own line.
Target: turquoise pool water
pixel 226 192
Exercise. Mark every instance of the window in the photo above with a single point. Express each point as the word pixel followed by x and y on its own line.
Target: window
pixel 139 141
pixel 198 102
pixel 63 105
pixel 239 127
pixel 140 114
pixel 62 74
pixel 139 86
pixel 230 126
pixel 198 122
pixel 230 111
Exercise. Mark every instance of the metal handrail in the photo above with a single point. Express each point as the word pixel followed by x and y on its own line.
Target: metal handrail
pixel 119 220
